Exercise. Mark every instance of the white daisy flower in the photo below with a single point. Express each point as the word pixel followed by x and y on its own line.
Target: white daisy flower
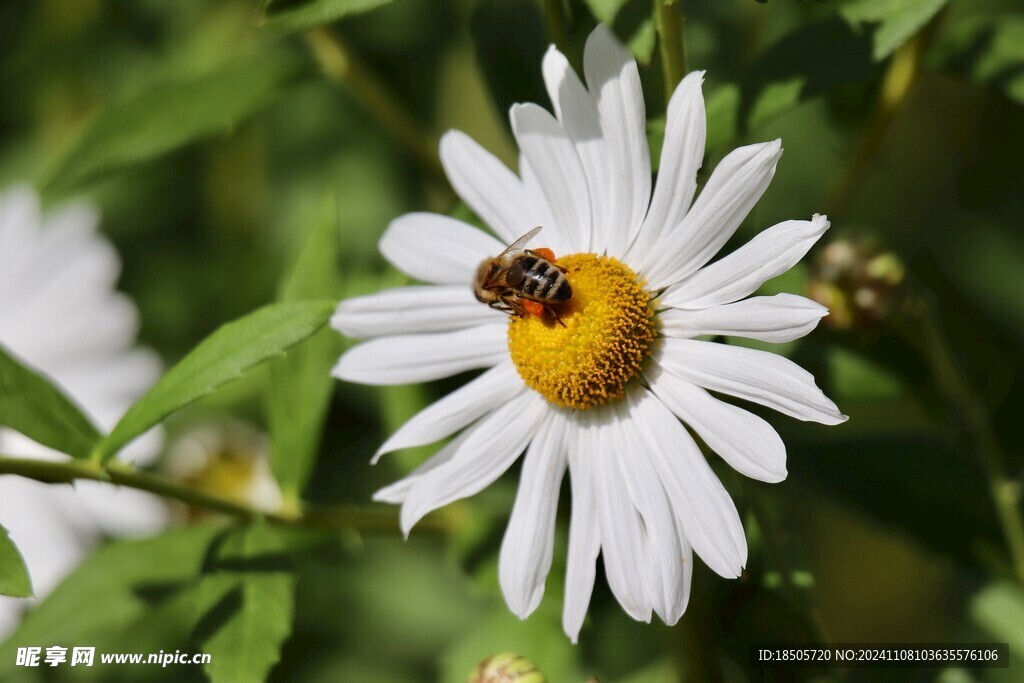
pixel 603 395
pixel 60 315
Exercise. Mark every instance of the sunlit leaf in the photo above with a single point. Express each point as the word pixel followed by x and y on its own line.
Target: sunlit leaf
pixel 987 49
pixel 299 15
pixel 14 579
pixel 632 22
pixel 31 405
pixel 250 589
pixel 171 115
pixel 605 10
pixel 218 359
pixel 999 609
pixel 301 383
pixel 892 22
pixel 784 77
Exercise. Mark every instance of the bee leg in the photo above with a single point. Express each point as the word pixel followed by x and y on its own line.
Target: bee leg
pixel 500 306
pixel 554 314
pixel 561 268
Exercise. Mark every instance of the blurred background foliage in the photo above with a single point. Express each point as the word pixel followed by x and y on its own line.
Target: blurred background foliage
pixel 219 136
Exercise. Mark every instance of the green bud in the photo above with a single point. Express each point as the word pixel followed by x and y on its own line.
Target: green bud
pixel 507 667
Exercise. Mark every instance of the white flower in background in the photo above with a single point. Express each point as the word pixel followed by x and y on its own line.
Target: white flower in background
pixel 60 315
pixel 602 396
pixel 229 459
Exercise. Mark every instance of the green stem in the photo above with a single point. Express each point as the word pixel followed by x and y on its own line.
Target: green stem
pixel 897 86
pixel 556 25
pixel 119 474
pixel 668 21
pixel 342 66
pixel 698 654
pixel 777 557
pixel 924 331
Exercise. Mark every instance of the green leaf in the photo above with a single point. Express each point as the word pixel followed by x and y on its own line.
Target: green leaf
pixel 631 20
pixel 14 579
pixel 218 359
pixel 659 672
pixel 856 378
pixel 172 115
pixel 605 10
pixel 299 15
pixel 124 592
pixel 783 78
pixel 989 50
pixel 252 591
pixel 540 639
pixel 31 405
pixel 301 382
pixel 893 22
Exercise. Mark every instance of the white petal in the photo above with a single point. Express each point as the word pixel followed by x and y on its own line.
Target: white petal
pixel 771 253
pixel 527 548
pixel 614 83
pixel 490 449
pixel 553 159
pixel 681 156
pixel 758 376
pixel 437 249
pixel 120 511
pixel 745 441
pixel 779 318
pixel 490 189
pixel 737 183
pixel 667 565
pixel 624 544
pixel 700 502
pixel 397 492
pixel 458 409
pixel 584 534
pixel 407 310
pixel 411 358
pixel 553 236
pixel 577 112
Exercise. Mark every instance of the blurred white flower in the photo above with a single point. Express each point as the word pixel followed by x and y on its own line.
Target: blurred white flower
pixel 603 396
pixel 229 459
pixel 60 314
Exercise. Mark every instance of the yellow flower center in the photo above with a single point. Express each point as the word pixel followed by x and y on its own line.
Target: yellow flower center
pixel 609 327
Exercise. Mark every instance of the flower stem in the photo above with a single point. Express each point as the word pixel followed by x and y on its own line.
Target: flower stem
pixel 897 85
pixel 698 655
pixel 777 556
pixel 923 330
pixel 668 21
pixel 344 67
pixel 556 26
pixel 120 474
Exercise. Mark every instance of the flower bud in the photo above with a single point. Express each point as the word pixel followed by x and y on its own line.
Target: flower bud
pixel 856 281
pixel 507 667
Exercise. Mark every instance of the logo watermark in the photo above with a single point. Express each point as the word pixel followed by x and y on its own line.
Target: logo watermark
pixel 56 655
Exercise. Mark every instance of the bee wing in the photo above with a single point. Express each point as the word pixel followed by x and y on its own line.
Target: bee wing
pixel 521 242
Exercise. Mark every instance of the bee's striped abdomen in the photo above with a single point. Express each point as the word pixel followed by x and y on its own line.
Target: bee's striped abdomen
pixel 543 281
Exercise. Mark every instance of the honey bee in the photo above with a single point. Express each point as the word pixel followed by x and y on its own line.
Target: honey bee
pixel 522 281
